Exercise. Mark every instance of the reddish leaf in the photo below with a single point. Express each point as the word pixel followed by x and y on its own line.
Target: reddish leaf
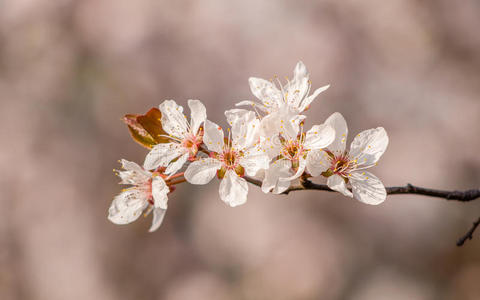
pixel 152 124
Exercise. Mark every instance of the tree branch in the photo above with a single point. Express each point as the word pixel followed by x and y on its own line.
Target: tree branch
pixel 462 196
pixel 469 234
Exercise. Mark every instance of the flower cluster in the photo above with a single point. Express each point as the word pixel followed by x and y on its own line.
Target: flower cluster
pixel 267 142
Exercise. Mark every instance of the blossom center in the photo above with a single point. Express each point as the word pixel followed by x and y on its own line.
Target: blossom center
pixel 341 164
pixel 293 149
pixel 230 158
pixel 192 143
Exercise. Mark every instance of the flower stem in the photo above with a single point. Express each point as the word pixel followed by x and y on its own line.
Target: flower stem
pixel 177 182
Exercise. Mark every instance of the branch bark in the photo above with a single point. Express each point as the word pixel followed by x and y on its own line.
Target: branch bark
pixel 461 196
pixel 469 234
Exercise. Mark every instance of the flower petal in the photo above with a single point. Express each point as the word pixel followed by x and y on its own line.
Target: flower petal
pixel 272 180
pixel 369 145
pixel 337 121
pixel 297 88
pixel 254 159
pixel 202 170
pixel 318 162
pixel 127 206
pixel 233 189
pixel 159 192
pixel 337 183
pixel 302 163
pixel 266 92
pixel 173 167
pixel 320 136
pixel 245 127
pixel 307 101
pixel 213 137
pixel 237 113
pixel 173 120
pixel 251 103
pixel 158 215
pixel 283 121
pixel 133 174
pixel 368 189
pixel 300 71
pixel 198 114
pixel 161 155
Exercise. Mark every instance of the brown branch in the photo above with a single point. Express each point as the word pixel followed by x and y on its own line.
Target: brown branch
pixel 469 234
pixel 462 196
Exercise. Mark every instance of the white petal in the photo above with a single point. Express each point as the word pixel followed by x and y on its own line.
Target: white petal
pixel 251 103
pixel 302 163
pixel 272 146
pixel 159 192
pixel 319 137
pixel 337 183
pixel 297 88
pixel 202 170
pixel 337 121
pixel 198 114
pixel 272 180
pixel 233 189
pixel 269 125
pixel 162 154
pixel 237 113
pixel 133 166
pixel 127 206
pixel 158 215
pixel 213 137
pixel 266 92
pixel 173 167
pixel 246 102
pixel 245 127
pixel 281 186
pixel 369 145
pixel 307 101
pixel 174 122
pixel 300 71
pixel 284 121
pixel 368 189
pixel 133 174
pixel 318 162
pixel 254 159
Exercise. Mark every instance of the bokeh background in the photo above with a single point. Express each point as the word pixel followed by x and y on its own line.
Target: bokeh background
pixel 69 71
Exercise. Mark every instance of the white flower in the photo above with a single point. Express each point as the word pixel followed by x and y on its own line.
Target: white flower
pixel 148 192
pixel 293 151
pixel 293 95
pixel 341 166
pixel 240 154
pixel 186 137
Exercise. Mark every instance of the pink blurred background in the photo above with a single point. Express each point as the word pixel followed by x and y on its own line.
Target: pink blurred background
pixel 69 70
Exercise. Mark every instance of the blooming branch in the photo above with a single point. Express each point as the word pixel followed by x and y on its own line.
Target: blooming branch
pixel 267 146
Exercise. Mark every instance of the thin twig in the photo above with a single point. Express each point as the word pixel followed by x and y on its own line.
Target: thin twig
pixel 462 196
pixel 469 234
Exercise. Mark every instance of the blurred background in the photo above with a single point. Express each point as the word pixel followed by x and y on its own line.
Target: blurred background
pixel 69 71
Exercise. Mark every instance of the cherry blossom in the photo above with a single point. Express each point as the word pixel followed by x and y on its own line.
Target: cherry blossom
pixel 185 137
pixel 230 159
pixel 293 151
pixel 294 94
pixel 342 166
pixel 148 192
